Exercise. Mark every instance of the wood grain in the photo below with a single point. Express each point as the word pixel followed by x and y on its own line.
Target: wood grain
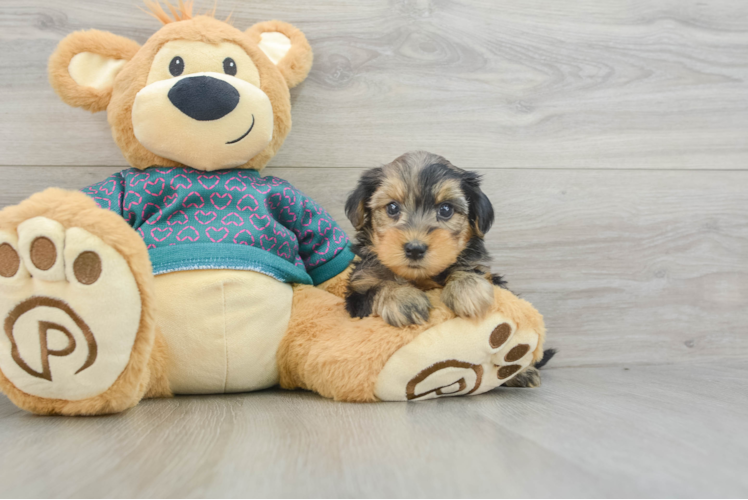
pixel 532 84
pixel 587 432
pixel 628 267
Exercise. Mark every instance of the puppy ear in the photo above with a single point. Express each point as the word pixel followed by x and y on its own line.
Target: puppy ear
pixel 481 210
pixel 84 65
pixel 356 205
pixel 287 48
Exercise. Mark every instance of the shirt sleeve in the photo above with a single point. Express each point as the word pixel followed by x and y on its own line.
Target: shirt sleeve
pixel 323 245
pixel 109 194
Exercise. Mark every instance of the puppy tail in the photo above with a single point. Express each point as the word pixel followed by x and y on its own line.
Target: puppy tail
pixel 547 355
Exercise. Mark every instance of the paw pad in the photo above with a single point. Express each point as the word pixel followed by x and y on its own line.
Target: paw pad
pixel 507 371
pixel 516 353
pixel 9 261
pixel 43 253
pixel 87 267
pixel 500 335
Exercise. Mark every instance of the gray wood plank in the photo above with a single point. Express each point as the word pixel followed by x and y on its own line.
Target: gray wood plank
pixel 652 431
pixel 541 84
pixel 628 267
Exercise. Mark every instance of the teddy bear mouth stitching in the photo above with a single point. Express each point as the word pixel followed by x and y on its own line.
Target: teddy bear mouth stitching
pixel 245 133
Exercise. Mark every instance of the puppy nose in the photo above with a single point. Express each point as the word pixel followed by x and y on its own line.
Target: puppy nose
pixel 415 250
pixel 203 97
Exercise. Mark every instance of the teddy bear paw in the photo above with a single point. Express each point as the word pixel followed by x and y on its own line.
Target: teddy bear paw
pixel 459 357
pixel 70 308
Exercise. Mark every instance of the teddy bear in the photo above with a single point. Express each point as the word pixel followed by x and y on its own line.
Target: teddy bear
pixel 190 272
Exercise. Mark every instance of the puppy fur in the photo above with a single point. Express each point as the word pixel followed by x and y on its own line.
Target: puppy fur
pixel 420 223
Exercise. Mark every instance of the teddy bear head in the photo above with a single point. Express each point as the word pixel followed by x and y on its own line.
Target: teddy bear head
pixel 199 93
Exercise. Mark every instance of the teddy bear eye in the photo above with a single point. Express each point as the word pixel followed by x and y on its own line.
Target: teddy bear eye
pixel 229 66
pixel 176 66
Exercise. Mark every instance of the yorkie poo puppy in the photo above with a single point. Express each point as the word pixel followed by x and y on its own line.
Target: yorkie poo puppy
pixel 420 223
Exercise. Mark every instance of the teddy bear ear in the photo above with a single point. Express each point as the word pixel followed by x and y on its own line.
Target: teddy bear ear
pixel 287 48
pixel 84 65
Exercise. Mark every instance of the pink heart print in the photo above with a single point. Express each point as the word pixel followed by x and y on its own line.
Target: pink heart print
pixel 273 201
pixel 181 181
pixel 109 187
pixel 232 219
pixel 265 242
pixel 244 237
pixel 287 216
pixel 338 235
pixel 151 213
pixel 322 247
pixel 290 195
pixel 247 202
pixel 255 219
pixel 154 188
pixel 224 200
pixel 261 187
pixel 138 178
pixel 178 217
pixel 188 233
pixel 104 203
pixel 217 235
pixel 323 226
pixel 132 199
pixel 235 184
pixel 160 234
pixel 208 181
pixel 306 217
pixel 193 200
pixel 205 217
pixel 170 199
pixel 284 250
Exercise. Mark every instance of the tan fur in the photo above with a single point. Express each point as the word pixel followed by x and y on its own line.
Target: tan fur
pixel 336 356
pixel 74 209
pixel 158 385
pixel 180 12
pixel 338 284
pixel 95 41
pixel 296 64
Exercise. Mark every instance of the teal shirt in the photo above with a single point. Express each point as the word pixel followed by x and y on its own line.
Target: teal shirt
pixel 226 219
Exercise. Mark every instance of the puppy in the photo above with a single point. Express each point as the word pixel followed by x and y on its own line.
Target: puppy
pixel 420 223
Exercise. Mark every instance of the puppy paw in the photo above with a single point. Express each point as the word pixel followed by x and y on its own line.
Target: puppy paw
pixel 469 295
pixel 528 378
pixel 401 305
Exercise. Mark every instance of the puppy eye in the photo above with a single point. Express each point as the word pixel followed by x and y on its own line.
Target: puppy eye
pixel 229 66
pixel 446 211
pixel 393 209
pixel 176 66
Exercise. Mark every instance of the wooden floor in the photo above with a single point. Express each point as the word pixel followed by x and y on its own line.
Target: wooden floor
pixel 588 432
pixel 613 139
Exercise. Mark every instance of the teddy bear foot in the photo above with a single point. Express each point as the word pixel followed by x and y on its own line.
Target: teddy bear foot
pixel 457 358
pixel 71 310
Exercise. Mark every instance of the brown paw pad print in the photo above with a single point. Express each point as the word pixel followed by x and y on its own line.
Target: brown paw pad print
pixel 500 335
pixel 470 375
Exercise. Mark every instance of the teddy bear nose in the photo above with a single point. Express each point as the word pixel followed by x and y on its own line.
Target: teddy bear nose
pixel 203 97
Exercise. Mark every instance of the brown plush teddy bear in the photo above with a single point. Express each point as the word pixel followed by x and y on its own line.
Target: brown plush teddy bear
pixel 192 273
